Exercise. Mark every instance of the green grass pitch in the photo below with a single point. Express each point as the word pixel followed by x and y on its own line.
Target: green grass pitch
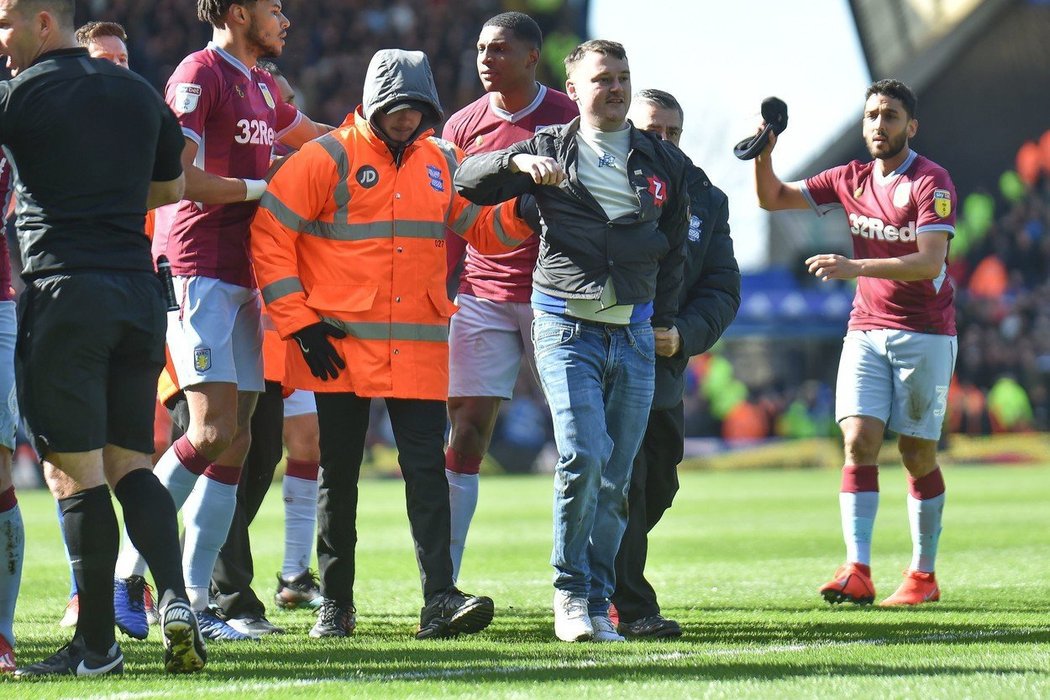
pixel 737 560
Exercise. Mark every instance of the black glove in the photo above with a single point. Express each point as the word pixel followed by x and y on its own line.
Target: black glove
pixel 318 352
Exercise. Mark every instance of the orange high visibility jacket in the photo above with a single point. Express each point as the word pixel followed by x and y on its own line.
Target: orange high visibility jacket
pixel 346 236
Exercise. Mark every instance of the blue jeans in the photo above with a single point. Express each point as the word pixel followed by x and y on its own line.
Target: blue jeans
pixel 598 381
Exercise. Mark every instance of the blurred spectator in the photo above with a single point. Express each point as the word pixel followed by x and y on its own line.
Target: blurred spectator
pixel 330 42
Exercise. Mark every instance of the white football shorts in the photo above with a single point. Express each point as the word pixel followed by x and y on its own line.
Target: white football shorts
pixel 900 377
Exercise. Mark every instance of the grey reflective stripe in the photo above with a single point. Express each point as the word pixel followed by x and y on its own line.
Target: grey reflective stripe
pixel 391 331
pixel 466 219
pixel 375 229
pixel 341 195
pixel 449 152
pixel 501 233
pixel 450 156
pixel 284 215
pixel 281 288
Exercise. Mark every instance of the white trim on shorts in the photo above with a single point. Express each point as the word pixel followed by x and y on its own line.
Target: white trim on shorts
pixel 8 394
pixel 487 342
pixel 299 403
pixel 899 377
pixel 216 335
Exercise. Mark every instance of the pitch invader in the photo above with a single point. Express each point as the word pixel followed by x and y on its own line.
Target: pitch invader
pixel 231 116
pixel 899 352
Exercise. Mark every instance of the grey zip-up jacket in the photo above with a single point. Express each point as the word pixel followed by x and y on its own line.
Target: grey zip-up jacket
pixel 580 248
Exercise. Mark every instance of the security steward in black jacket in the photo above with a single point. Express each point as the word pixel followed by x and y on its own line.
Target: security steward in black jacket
pixel 707 305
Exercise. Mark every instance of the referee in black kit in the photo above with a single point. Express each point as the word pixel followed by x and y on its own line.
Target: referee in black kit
pixel 93 145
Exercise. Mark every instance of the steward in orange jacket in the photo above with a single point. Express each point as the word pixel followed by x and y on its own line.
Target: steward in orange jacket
pixel 348 248
pixel 351 233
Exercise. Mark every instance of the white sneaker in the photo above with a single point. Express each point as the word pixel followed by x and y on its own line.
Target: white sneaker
pixel 571 621
pixel 604 630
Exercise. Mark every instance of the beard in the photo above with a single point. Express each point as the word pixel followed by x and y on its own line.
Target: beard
pixel 893 146
pixel 257 42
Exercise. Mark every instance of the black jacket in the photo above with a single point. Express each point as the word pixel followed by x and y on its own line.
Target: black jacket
pixel 710 293
pixel 579 247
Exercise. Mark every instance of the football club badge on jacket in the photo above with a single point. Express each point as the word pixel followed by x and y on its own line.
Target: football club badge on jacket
pixel 436 181
pixel 187 95
pixel 267 96
pixel 696 225
pixel 942 203
pixel 202 359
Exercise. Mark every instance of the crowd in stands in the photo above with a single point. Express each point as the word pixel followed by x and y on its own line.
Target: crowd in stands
pixel 999 264
pixel 999 259
pixel 330 42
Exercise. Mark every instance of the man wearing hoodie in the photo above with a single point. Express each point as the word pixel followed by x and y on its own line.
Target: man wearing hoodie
pixel 348 248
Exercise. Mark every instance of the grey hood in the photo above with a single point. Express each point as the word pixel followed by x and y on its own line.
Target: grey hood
pixel 395 75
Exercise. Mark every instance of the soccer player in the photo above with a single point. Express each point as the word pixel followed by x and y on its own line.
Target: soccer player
pixel 231 116
pixel 347 248
pixel 489 335
pixel 707 304
pixel 12 532
pixel 614 209
pixel 91 342
pixel 899 352
pixel 295 419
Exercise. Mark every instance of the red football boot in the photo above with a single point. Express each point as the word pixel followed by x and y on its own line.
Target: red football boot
pixel 917 588
pixel 852 584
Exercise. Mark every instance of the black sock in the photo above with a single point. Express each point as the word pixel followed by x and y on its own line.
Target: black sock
pixel 149 516
pixel 90 528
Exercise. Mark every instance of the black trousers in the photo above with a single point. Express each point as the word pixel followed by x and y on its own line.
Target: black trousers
pixel 419 432
pixel 231 582
pixel 654 483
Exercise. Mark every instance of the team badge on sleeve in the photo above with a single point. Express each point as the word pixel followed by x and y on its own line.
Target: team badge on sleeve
pixel 187 96
pixel 942 203
pixel 267 96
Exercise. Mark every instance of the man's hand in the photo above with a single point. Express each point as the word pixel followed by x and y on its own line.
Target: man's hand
pixel 828 266
pixel 318 351
pixel 542 170
pixel 668 341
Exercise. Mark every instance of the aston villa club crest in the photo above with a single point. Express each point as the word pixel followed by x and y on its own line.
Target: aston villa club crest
pixel 239 90
pixel 267 96
pixel 202 359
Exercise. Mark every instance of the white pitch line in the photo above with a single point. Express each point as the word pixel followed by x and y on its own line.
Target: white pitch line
pixel 632 660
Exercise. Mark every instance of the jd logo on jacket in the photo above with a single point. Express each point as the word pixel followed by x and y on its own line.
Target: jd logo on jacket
pixel 367 176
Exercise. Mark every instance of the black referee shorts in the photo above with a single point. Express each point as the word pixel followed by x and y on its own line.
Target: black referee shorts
pixel 90 349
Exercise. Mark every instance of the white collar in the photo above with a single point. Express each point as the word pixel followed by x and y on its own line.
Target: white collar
pixel 522 113
pixel 900 170
pixel 233 60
